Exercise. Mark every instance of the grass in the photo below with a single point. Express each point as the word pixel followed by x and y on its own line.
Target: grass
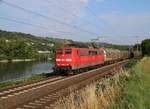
pixel 136 90
pixel 131 63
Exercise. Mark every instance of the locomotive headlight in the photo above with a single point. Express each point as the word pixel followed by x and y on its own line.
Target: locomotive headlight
pixel 58 60
pixel 68 60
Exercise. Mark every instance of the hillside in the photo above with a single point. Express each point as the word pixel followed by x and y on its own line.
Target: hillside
pixel 40 43
pixel 14 45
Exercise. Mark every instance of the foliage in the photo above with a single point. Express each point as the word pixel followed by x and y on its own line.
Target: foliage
pixel 16 49
pixel 99 45
pixel 131 63
pixel 107 45
pixel 146 47
pixel 14 45
pixel 120 47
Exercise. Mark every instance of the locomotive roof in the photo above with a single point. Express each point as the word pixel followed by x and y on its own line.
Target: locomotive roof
pixel 80 48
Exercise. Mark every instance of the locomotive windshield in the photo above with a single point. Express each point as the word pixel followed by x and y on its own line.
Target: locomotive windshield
pixel 59 51
pixel 68 51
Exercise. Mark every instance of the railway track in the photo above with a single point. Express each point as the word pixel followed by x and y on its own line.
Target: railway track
pixel 14 90
pixel 43 94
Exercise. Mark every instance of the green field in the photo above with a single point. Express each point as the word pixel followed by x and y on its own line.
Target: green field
pixel 136 91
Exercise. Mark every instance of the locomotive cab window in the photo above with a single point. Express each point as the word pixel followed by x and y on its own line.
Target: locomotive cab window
pixel 59 51
pixel 92 52
pixel 84 53
pixel 68 51
pixel 101 52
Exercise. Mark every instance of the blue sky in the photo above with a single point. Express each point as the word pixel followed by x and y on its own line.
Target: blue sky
pixel 116 21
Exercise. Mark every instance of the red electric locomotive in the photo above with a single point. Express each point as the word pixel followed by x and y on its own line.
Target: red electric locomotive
pixel 72 59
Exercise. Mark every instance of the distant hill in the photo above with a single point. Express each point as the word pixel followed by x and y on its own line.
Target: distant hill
pixel 39 43
pixel 16 45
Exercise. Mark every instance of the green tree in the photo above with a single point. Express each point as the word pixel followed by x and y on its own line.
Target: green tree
pixel 146 47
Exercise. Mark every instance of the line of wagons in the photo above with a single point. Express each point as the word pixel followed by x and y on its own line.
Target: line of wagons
pixel 71 60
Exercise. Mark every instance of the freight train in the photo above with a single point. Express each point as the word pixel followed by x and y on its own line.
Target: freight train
pixel 72 60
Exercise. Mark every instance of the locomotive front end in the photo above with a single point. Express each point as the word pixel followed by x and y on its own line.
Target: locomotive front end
pixel 63 59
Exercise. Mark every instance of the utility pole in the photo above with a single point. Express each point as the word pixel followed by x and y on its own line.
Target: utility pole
pixel 97 40
pixel 94 42
pixel 137 49
pixel 101 38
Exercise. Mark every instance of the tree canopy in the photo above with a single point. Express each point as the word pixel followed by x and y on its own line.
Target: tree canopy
pixel 146 47
pixel 14 45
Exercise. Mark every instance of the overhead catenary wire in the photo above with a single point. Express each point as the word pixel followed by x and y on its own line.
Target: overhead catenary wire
pixel 72 14
pixel 22 22
pixel 47 17
pixel 27 23
pixel 93 13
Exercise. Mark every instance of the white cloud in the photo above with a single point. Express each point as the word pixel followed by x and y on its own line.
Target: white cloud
pixel 127 26
pixel 84 1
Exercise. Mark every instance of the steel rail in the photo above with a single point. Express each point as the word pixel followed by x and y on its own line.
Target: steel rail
pixel 8 92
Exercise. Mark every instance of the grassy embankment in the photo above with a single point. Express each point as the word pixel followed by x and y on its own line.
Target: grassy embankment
pixel 129 89
pixel 136 93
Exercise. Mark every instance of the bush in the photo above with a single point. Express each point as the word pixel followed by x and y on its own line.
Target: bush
pixel 146 47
